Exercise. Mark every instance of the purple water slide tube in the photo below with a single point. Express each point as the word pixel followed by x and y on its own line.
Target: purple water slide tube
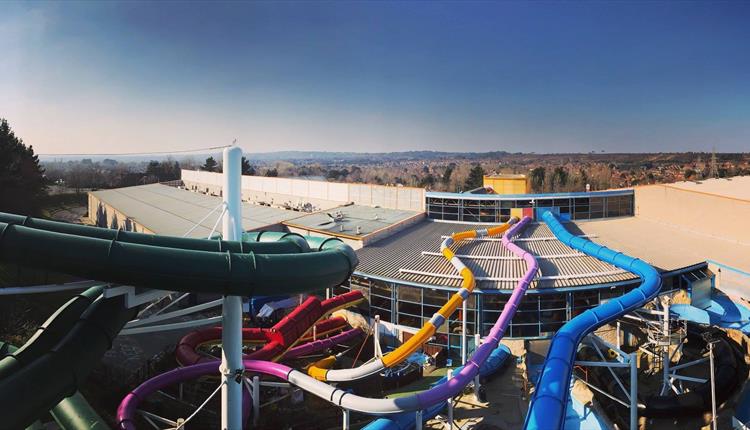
pixel 439 393
pixel 454 385
pixel 127 408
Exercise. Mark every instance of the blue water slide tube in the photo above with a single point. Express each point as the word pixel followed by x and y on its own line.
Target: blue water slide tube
pixel 547 408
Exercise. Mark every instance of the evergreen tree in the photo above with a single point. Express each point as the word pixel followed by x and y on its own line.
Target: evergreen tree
pixel 247 169
pixel 537 179
pixel 22 181
pixel 447 174
pixel 210 165
pixel 476 178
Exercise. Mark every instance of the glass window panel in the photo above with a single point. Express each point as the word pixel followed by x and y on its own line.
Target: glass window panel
pixel 531 330
pixel 410 308
pixel 380 302
pixel 435 297
pixel 529 303
pixel 380 288
pixel 409 320
pixel 550 328
pixel 525 317
pixel 409 293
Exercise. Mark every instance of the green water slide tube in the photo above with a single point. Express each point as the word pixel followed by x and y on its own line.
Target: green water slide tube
pixel 72 413
pixel 265 244
pixel 59 357
pixel 174 263
pixel 53 364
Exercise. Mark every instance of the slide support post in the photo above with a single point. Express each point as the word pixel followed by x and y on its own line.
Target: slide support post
pixel 376 337
pixel 666 364
pixel 256 400
pixel 633 390
pixel 449 375
pixel 713 386
pixel 231 336
pixel 464 312
pixel 345 422
pixel 477 342
pixel 618 335
pixel 418 420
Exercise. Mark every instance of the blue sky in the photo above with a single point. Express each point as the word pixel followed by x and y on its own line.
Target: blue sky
pixel 379 76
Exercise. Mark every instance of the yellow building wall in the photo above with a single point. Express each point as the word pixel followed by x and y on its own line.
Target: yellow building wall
pixel 507 185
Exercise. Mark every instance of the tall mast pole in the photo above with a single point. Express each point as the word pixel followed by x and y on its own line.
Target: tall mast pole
pixel 231 335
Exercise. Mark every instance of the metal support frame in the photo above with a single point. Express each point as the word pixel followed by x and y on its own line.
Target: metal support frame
pixel 231 336
pixel 256 400
pixel 624 360
pixel 449 375
pixel 345 419
pixel 666 382
pixel 477 342
pixel 464 313
pixel 714 422
pixel 376 338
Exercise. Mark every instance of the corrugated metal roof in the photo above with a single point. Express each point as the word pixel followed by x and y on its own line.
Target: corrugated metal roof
pixel 174 211
pixel 399 256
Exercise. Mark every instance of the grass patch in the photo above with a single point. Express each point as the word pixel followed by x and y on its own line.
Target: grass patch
pixel 420 385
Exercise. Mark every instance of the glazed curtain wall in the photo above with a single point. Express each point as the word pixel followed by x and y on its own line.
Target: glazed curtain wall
pixel 539 316
pixel 495 210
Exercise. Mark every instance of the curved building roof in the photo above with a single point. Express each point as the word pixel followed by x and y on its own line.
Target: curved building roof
pixel 412 256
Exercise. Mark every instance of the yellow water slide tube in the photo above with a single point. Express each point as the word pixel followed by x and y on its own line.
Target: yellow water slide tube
pixel 321 369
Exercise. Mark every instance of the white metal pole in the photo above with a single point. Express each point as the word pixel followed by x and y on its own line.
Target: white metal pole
pixel 418 420
pixel 618 338
pixel 231 335
pixel 633 391
pixel 666 381
pixel 464 312
pixel 713 387
pixel 376 337
pixel 449 375
pixel 345 423
pixel 256 400
pixel 477 342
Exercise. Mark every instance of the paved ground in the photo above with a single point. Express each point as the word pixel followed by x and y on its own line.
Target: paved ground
pixel 69 214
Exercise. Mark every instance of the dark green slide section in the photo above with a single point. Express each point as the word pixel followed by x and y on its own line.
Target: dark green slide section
pixel 289 243
pixel 178 269
pixel 51 366
pixel 45 374
pixel 72 413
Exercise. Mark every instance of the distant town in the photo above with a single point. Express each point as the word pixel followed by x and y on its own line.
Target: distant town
pixel 434 171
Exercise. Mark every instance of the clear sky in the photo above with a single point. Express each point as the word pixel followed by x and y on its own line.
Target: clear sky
pixel 381 76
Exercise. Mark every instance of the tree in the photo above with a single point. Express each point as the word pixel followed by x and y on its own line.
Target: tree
pixel 537 179
pixel 476 177
pixel 22 181
pixel 210 165
pixel 168 170
pixel 559 179
pixel 247 169
pixel 447 174
pixel 272 173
